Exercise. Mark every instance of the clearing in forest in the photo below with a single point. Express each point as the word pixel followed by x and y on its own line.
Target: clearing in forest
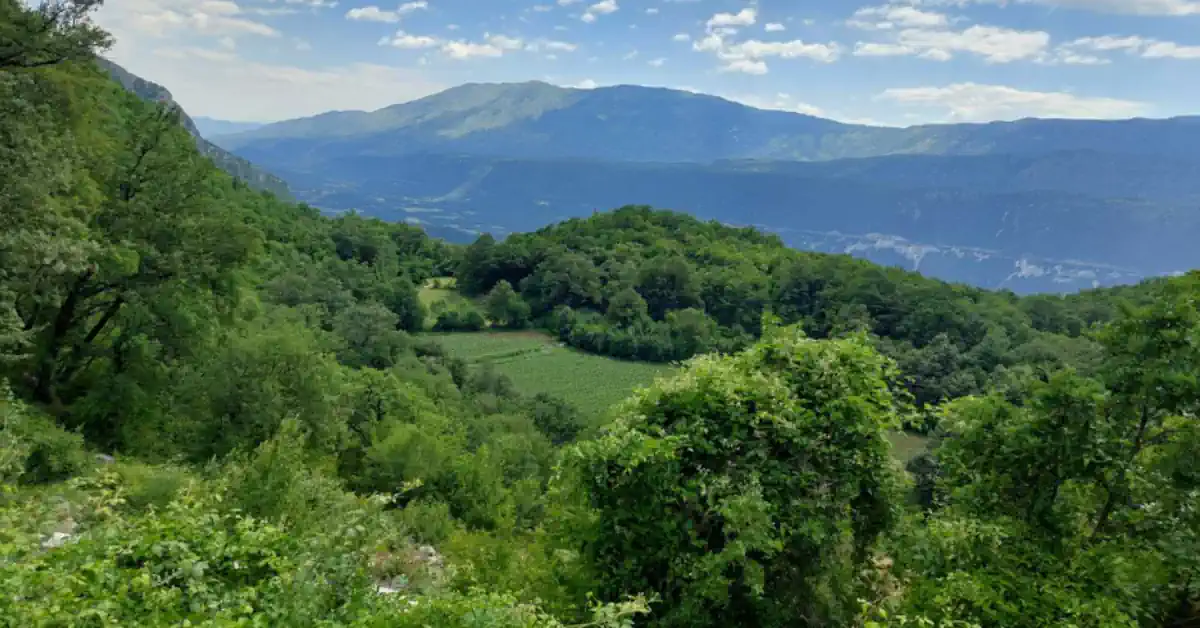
pixel 537 363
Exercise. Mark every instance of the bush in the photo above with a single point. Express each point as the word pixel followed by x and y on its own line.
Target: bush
pixel 462 317
pixel 33 449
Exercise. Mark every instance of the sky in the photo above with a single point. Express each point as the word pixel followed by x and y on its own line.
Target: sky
pixel 887 62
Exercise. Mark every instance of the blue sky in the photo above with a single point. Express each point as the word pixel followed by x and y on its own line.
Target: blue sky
pixel 896 62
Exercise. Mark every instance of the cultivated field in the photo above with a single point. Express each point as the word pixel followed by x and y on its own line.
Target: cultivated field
pixel 536 363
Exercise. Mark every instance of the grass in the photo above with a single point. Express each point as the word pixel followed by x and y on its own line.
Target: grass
pixel 906 445
pixel 441 290
pixel 536 363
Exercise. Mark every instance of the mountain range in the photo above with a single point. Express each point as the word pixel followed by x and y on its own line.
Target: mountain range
pixel 1030 205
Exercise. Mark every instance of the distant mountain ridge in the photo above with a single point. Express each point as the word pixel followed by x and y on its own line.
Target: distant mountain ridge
pixel 1031 205
pixel 236 166
pixel 212 127
pixel 536 120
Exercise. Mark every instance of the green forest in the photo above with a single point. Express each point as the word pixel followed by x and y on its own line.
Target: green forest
pixel 222 408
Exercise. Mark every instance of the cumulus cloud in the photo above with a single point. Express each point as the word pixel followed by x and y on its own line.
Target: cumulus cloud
pixel 1148 48
pixel 375 14
pixel 604 7
pixel 745 17
pixel 995 44
pixel 745 66
pixel 774 27
pixel 406 41
pixel 492 46
pixel 893 16
pixel 681 37
pixel 656 63
pixel 972 102
pixel 749 56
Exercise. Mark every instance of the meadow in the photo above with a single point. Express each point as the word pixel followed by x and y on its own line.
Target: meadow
pixel 536 363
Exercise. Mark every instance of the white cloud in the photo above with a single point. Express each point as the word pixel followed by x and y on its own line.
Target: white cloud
pixel 652 11
pixel 504 42
pixel 746 66
pixel 995 44
pixel 375 14
pixel 681 37
pixel 565 3
pixel 134 20
pixel 774 27
pixel 754 49
pixel 748 56
pixel 1080 50
pixel 542 8
pixel 630 56
pixel 468 50
pixel 372 14
pixel 585 83
pixel 604 7
pixel 406 41
pixel 876 49
pixel 1167 49
pixel 656 63
pixel 972 102
pixel 225 86
pixel 1169 8
pixel 895 16
pixel 745 17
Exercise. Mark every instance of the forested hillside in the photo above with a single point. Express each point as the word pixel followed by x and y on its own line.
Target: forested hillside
pixel 230 163
pixel 222 409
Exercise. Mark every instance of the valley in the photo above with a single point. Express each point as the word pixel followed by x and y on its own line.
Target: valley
pixel 618 357
pixel 1029 206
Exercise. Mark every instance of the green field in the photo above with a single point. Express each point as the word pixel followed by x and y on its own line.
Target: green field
pixel 438 290
pixel 537 364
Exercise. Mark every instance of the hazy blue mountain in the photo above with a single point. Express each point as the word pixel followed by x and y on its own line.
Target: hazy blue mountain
pixel 1030 205
pixel 629 123
pixel 1008 233
pixel 236 166
pixel 211 127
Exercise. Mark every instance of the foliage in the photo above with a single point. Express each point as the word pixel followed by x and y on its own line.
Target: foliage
pixel 506 308
pixel 658 286
pixel 748 488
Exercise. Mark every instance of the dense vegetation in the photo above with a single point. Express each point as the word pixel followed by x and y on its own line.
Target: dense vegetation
pixel 658 286
pixel 221 411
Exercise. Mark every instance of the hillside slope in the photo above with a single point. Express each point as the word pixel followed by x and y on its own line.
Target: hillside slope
pixel 236 166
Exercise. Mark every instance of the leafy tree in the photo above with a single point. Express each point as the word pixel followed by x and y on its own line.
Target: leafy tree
pixel 747 489
pixel 55 32
pixel 461 317
pixel 369 337
pixel 668 284
pixel 627 308
pixel 566 279
pixel 506 308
